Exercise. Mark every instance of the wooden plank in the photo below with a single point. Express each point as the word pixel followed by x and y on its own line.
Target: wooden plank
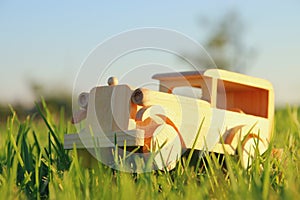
pixel 109 109
pixel 99 115
pixel 216 73
pixel 121 103
pixel 238 78
pixel 84 140
pixel 179 75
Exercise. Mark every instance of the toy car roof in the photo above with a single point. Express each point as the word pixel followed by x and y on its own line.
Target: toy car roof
pixel 218 74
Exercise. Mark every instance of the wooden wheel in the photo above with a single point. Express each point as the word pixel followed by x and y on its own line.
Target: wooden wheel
pixel 251 148
pixel 162 137
pixel 166 146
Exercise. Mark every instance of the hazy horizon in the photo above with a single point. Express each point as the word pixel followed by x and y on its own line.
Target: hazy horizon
pixel 47 42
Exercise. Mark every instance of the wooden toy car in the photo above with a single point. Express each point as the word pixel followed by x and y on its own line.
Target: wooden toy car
pixel 218 110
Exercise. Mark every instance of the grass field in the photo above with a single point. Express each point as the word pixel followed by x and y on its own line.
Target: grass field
pixel 33 164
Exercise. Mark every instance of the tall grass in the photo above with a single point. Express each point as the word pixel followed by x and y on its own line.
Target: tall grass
pixel 33 164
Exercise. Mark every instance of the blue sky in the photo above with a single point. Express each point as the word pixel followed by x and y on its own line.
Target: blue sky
pixel 47 41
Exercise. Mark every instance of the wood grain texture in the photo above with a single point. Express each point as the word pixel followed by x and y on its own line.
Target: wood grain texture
pixel 110 139
pixel 231 106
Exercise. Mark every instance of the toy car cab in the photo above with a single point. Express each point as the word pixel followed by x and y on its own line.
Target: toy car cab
pixel 211 110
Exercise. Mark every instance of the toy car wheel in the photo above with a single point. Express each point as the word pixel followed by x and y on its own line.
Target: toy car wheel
pixel 166 146
pixel 252 147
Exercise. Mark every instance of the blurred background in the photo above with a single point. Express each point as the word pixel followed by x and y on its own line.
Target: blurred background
pixel 43 44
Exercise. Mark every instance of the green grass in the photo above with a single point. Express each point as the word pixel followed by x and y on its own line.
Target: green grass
pixel 34 165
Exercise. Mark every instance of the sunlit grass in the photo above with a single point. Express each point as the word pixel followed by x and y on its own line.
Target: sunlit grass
pixel 33 164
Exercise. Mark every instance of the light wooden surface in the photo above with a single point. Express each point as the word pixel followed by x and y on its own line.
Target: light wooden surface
pixel 252 147
pixel 110 139
pixel 109 108
pixel 215 73
pixel 167 145
pixel 232 105
pixel 232 92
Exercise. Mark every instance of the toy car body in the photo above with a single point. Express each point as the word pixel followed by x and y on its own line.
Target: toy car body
pixel 219 110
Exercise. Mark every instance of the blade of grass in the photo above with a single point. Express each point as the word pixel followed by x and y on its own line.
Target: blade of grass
pixel 194 144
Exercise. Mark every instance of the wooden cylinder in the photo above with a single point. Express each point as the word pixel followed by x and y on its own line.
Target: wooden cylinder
pixel 83 100
pixel 140 96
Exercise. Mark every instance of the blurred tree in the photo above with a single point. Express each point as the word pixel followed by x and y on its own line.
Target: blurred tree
pixel 56 98
pixel 60 99
pixel 225 43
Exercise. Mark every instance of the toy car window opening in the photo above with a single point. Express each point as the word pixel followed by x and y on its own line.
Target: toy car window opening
pixel 188 91
pixel 242 98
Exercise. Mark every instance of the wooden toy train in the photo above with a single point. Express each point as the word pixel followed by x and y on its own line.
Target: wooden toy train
pixel 218 110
